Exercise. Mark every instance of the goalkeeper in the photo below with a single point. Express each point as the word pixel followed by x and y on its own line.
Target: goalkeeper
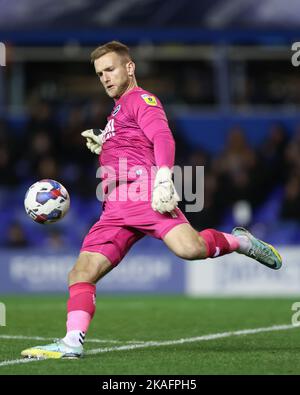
pixel 137 133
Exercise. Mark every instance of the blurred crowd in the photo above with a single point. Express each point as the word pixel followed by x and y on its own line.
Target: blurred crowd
pixel 52 147
pixel 242 173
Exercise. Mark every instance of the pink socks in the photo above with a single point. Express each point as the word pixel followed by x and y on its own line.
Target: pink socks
pixel 219 243
pixel 81 308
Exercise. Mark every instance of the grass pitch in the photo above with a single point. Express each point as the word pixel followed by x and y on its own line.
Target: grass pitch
pixel 118 339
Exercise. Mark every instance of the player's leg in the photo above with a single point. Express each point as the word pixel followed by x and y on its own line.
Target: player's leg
pixel 188 244
pixel 182 238
pixel 89 268
pixel 185 242
pixel 87 271
pixel 103 248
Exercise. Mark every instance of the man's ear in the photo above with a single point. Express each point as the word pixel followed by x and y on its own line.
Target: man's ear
pixel 130 66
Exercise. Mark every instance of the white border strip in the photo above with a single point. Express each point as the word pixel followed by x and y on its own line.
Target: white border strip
pixel 165 343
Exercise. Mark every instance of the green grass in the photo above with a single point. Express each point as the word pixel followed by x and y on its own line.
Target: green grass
pixel 158 318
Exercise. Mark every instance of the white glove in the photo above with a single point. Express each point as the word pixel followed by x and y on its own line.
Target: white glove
pixel 164 196
pixel 94 140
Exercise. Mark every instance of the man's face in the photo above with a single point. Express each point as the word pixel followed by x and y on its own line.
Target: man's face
pixel 113 72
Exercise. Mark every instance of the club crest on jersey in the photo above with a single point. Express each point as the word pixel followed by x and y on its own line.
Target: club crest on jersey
pixel 150 100
pixel 116 110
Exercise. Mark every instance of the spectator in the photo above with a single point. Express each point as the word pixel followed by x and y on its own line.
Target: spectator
pixel 273 167
pixel 41 118
pixel 7 169
pixel 55 241
pixel 16 237
pixel 236 168
pixel 291 203
pixel 48 168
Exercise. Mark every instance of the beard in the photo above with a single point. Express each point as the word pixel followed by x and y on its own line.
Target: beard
pixel 118 91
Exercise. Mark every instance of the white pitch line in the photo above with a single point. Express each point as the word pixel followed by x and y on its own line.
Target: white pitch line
pixel 191 339
pixel 167 342
pixel 19 337
pixel 18 361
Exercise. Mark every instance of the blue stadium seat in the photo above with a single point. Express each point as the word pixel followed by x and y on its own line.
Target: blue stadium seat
pixel 270 210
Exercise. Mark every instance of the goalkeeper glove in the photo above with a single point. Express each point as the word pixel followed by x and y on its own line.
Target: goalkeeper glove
pixel 164 196
pixel 94 140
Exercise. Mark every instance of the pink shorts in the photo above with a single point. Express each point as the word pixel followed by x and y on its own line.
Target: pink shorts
pixel 124 223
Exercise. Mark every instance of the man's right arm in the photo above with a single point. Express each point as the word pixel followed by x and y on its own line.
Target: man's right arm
pixel 152 120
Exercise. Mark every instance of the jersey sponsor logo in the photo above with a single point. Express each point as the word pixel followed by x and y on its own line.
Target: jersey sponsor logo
pixel 116 110
pixel 150 100
pixel 109 130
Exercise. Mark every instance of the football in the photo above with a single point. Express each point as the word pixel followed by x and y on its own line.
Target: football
pixel 47 201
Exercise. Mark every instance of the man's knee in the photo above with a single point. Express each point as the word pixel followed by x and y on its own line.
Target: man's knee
pixel 90 267
pixel 191 250
pixel 185 242
pixel 81 276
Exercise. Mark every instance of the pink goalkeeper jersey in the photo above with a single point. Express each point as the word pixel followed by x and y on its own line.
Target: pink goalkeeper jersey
pixel 134 124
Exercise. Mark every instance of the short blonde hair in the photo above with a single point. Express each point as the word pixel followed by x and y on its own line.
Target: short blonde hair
pixel 112 46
